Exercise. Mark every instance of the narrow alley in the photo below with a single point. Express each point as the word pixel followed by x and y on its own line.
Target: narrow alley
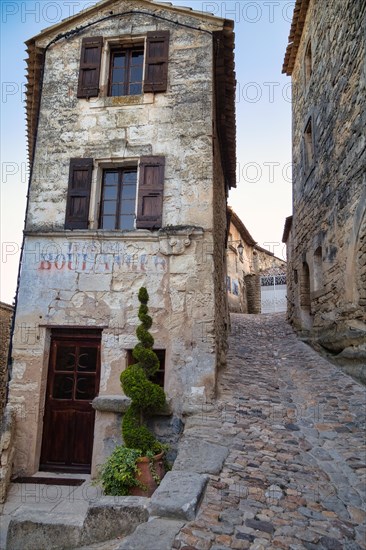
pixel 295 426
pixel 289 429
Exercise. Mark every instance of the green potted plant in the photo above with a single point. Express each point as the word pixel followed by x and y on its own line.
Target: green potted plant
pixel 137 466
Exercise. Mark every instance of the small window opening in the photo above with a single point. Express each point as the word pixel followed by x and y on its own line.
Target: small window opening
pixel 305 287
pixel 308 63
pixel 309 144
pixel 318 269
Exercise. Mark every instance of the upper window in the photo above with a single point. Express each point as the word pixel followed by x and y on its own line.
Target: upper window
pixel 308 63
pixel 126 70
pixel 118 199
pixel 134 68
pixel 309 145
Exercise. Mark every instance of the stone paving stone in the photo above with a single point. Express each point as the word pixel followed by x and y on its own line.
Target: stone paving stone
pixel 294 428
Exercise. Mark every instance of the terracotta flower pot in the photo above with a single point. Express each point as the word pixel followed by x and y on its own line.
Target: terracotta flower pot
pixel 145 476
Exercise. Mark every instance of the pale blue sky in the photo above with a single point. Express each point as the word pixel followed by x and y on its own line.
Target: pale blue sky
pixel 263 195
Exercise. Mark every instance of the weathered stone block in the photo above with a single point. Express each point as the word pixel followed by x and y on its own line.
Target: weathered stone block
pixel 197 455
pixel 178 496
pixel 158 534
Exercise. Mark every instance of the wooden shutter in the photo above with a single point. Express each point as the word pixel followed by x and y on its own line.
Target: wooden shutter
pixel 91 53
pixel 156 62
pixel 78 196
pixel 150 194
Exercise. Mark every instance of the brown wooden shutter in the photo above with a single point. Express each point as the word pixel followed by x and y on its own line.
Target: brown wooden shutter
pixel 156 62
pixel 150 195
pixel 91 54
pixel 78 196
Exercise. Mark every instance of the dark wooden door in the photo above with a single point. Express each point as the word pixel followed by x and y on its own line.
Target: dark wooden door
pixel 73 382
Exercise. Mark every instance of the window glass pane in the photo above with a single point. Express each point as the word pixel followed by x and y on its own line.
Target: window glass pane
pixel 129 192
pixel 135 89
pixel 136 74
pixel 62 386
pixel 130 177
pixel 128 207
pixel 108 222
pixel 87 360
pixel 127 222
pixel 111 178
pixel 137 57
pixel 85 387
pixel 117 90
pixel 109 208
pixel 65 358
pixel 118 75
pixel 119 60
pixel 110 192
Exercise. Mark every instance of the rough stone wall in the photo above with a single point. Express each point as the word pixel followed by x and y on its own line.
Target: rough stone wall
pixel 7 428
pixel 329 193
pixel 253 286
pixel 269 264
pixel 6 313
pixel 221 314
pixel 237 267
pixel 90 278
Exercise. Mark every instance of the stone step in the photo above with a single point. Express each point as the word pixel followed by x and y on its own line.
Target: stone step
pixel 105 519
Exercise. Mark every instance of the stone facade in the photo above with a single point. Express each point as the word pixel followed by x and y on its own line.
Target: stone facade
pixel 246 267
pixel 326 241
pixel 88 278
pixel 6 314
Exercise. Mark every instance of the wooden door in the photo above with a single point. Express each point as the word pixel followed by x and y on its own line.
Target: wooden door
pixel 73 382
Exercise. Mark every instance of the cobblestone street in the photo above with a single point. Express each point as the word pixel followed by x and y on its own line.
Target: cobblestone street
pixel 294 424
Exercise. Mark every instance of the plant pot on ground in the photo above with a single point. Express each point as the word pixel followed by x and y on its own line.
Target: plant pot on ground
pixel 121 475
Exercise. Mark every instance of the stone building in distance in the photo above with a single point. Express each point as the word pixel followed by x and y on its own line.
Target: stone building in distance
pixel 326 236
pixel 131 123
pixel 251 272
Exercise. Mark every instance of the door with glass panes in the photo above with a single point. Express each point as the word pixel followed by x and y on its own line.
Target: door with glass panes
pixel 73 382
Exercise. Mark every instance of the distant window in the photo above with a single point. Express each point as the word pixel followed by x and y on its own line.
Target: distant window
pixel 308 63
pixel 235 288
pixel 308 145
pixel 118 203
pixel 159 376
pixel 305 302
pixel 228 284
pixel 126 71
pixel 318 269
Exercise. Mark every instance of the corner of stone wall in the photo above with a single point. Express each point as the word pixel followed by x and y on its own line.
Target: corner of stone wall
pixel 7 433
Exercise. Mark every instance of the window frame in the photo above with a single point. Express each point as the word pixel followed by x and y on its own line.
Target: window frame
pixel 120 169
pixel 128 46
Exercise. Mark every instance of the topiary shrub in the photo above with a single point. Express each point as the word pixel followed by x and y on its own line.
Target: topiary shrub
pixel 146 397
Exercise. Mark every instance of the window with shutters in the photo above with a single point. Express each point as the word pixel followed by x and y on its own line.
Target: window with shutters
pixel 132 68
pixel 118 201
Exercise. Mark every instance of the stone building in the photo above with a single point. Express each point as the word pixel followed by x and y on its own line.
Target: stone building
pixel 6 314
pixel 248 264
pixel 131 124
pixel 326 236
